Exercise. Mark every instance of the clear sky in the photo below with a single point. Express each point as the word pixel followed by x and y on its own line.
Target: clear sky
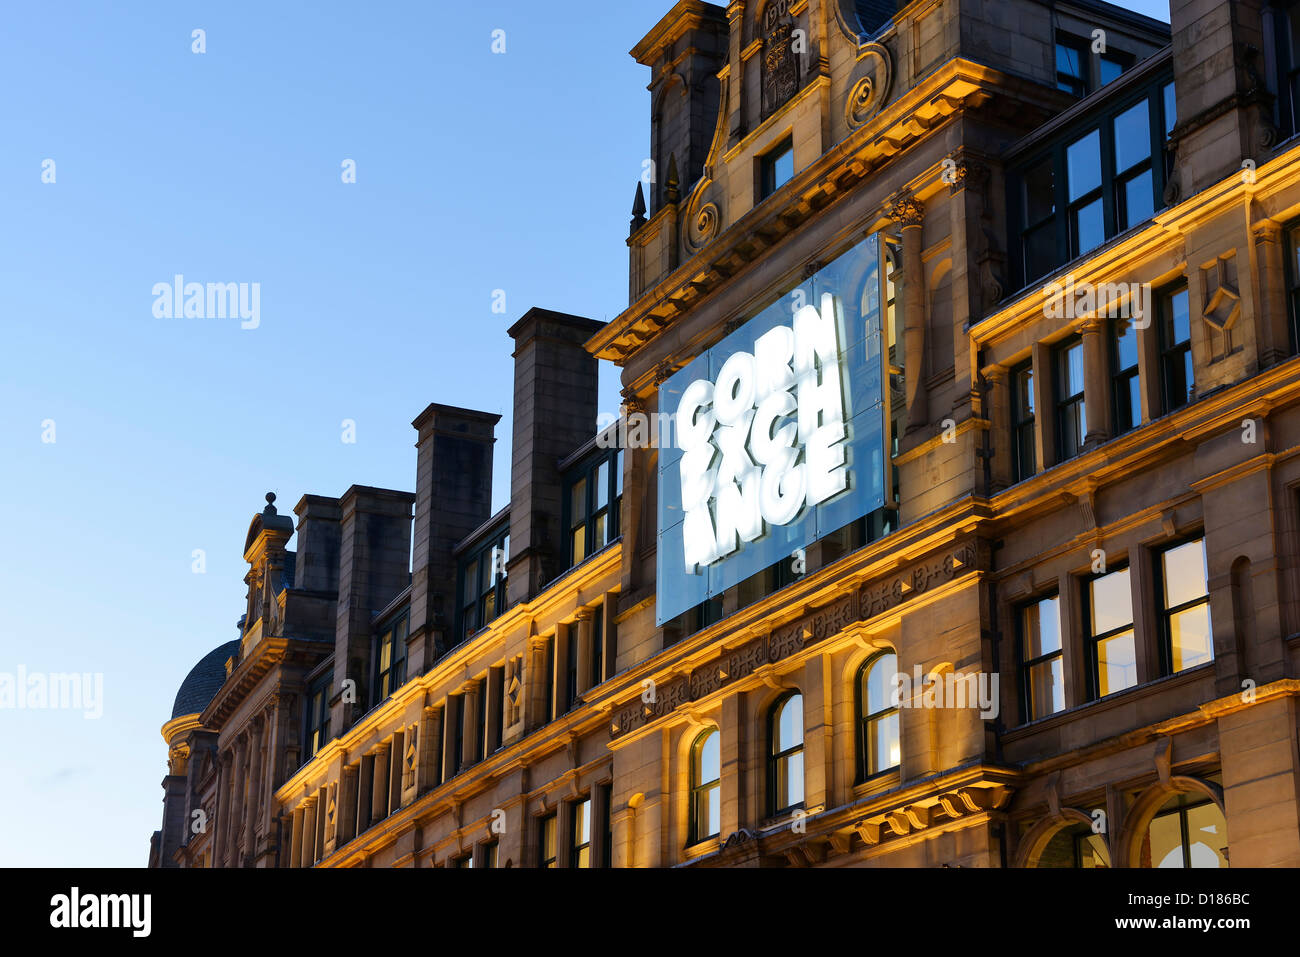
pixel 475 172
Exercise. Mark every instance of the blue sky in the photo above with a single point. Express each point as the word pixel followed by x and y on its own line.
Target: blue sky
pixel 475 172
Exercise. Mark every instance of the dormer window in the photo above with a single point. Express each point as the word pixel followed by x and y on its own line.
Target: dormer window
pixel 390 657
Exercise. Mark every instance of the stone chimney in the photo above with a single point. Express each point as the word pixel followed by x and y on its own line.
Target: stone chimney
pixel 453 496
pixel 554 413
pixel 374 563
pixel 318 544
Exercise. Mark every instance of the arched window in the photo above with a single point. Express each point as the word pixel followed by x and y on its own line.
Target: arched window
pixel 785 754
pixel 706 787
pixel 878 746
pixel 1189 831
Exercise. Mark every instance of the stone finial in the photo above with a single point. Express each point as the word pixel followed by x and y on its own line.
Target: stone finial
pixel 270 504
pixel 672 185
pixel 638 208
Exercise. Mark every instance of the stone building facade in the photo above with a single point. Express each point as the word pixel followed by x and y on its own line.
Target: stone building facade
pixel 1067 634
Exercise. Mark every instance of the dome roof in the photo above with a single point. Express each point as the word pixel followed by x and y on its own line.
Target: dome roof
pixel 204 680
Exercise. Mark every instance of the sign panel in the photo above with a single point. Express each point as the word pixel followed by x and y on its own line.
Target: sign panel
pixel 778 435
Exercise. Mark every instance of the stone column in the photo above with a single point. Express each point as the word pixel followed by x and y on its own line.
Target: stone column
pixel 379 789
pixel 295 838
pixel 472 742
pixel 909 213
pixel 585 636
pixel 308 849
pixel 257 727
pixel 428 770
pixel 347 808
pixel 1096 394
pixel 1003 439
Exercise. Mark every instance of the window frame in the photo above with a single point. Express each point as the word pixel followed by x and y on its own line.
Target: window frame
pixel 1165 615
pixel 548 823
pixel 865 723
pixel 578 848
pixel 1183 348
pixel 588 471
pixel 1092 641
pixel 1062 402
pixel 1026 666
pixel 699 788
pixel 472 613
pixel 776 759
pixel 1121 379
pixel 767 162
pixel 318 724
pixel 395 629
pixel 1023 425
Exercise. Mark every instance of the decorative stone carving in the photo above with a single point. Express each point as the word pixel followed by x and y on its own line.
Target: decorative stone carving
pixel 780 74
pixel 702 224
pixel 869 93
pixel 907 210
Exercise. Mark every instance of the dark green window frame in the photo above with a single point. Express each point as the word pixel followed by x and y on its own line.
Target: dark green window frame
pixel 779 761
pixel 1177 372
pixel 1046 231
pixel 389 657
pixel 1071 399
pixel 1024 443
pixel 704 790
pixel 593 492
pixel 481 583
pixel 1045 660
pixel 318 715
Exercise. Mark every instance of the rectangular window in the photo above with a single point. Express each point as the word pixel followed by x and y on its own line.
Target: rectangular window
pixel 1099 177
pixel 571 668
pixel 591 505
pixel 318 715
pixel 580 833
pixel 483 582
pixel 548 679
pixel 1024 458
pixel 458 734
pixel 497 680
pixel 1185 607
pixel 1293 284
pixel 1072 66
pixel 390 658
pixel 1071 409
pixel 1042 663
pixel 1176 348
pixel 1112 650
pixel 1126 385
pixel 546 857
pixel 777 168
pixel 488 854
pixel 606 792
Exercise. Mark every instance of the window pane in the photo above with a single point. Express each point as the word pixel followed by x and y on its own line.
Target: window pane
pixel 578 501
pixel 471 582
pixel 1088 227
pixel 1112 602
pixel 884 744
pixel 602 485
pixel 1171 109
pixel 1046 681
pixel 1111 69
pixel 1042 628
pixel 1072 370
pixel 1116 664
pixel 1040 193
pixel 579 544
pixel 713 810
pixel 598 537
pixel 1207 836
pixel 1042 254
pixel 1083 165
pixel 1069 61
pixel 1178 326
pixel 792 792
pixel 1024 393
pixel 1126 344
pixel 707 764
pixel 1189 637
pixel 1165 839
pixel 790 724
pixel 1139 200
pixel 879 688
pixel 1184 573
pixel 1132 137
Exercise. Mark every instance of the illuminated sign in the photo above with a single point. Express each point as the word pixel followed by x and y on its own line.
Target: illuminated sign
pixel 779 435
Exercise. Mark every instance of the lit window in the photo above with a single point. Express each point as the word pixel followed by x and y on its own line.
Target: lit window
pixel 1110 624
pixel 1071 410
pixel 390 659
pixel 706 787
pixel 1042 664
pixel 878 741
pixel 546 856
pixel 1176 349
pixel 777 168
pixel 785 761
pixel 580 832
pixel 1185 608
pixel 595 491
pixel 483 582
pixel 1188 832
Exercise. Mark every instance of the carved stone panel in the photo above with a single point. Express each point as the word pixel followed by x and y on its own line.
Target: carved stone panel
pixel 782 53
